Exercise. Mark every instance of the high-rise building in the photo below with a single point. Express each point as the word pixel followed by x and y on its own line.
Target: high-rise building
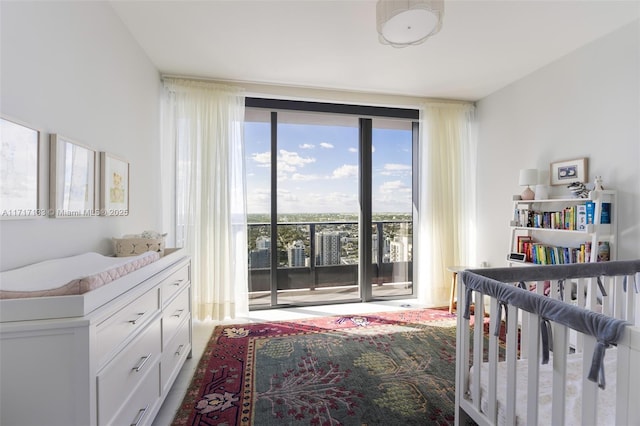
pixel 260 257
pixel 296 254
pixel 375 247
pixel 263 243
pixel 328 246
pixel 400 250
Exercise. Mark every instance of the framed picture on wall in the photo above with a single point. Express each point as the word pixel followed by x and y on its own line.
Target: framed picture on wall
pixel 19 171
pixel 72 180
pixel 569 171
pixel 114 185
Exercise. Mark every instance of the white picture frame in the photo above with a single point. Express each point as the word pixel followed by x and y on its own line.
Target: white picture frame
pixel 19 171
pixel 72 186
pixel 114 185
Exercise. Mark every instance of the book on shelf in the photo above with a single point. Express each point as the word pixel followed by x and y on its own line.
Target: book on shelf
pixel 604 251
pixel 573 218
pixel 587 251
pixel 581 217
pixel 605 215
pixel 591 210
pixel 521 240
pixel 545 254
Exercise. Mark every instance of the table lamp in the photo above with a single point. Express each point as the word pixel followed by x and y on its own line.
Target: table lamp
pixel 528 177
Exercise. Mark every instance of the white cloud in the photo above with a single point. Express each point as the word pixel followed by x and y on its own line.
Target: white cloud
pixel 355 150
pixel 394 186
pixel 301 177
pixel 392 196
pixel 289 161
pixel 284 167
pixel 326 145
pixel 260 195
pixel 285 195
pixel 333 202
pixel 397 167
pixel 262 157
pixel 345 171
pixel 393 169
pixel 293 159
pixel 306 146
pixel 258 200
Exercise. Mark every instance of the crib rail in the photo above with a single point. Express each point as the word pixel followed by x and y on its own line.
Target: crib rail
pixel 582 308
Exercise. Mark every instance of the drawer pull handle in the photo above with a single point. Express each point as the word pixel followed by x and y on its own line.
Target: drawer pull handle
pixel 143 361
pixel 178 313
pixel 139 416
pixel 179 351
pixel 136 320
pixel 177 283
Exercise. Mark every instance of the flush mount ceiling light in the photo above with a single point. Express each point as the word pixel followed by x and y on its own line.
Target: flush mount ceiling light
pixel 403 23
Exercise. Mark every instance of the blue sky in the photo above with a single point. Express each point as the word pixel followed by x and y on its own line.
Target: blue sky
pixel 318 168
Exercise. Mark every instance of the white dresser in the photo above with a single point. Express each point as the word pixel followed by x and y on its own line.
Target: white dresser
pixel 108 357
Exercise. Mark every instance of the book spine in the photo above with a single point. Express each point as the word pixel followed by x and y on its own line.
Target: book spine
pixel 582 217
pixel 605 215
pixel 590 208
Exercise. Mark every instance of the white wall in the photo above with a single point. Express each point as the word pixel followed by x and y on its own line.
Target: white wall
pixel 585 105
pixel 72 68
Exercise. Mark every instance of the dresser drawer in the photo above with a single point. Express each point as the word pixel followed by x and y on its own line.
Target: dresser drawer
pixel 174 314
pixel 127 370
pixel 142 403
pixel 117 328
pixel 175 283
pixel 174 354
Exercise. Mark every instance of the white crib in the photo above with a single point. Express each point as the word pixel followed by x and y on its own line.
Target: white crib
pixel 584 324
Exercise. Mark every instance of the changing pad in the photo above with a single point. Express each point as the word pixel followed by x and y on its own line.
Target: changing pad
pixel 70 275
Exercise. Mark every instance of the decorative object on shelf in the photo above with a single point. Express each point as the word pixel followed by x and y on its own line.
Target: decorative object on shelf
pixel 72 181
pixel 542 192
pixel 527 178
pixel 114 185
pixel 402 23
pixel 578 190
pixel 19 166
pixel 597 184
pixel 569 171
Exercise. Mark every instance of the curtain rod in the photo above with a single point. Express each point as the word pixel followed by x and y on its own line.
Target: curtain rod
pixel 306 93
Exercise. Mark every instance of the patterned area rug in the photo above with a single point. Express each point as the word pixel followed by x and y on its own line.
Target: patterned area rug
pixel 392 368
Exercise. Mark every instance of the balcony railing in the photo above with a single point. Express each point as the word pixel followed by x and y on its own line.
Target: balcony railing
pixel 391 265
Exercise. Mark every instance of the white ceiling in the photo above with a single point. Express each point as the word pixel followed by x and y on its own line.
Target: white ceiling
pixel 482 47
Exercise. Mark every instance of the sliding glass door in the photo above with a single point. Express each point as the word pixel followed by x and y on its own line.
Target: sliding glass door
pixel 318 186
pixel 391 204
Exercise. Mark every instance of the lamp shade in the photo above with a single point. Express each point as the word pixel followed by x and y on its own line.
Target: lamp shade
pixel 403 23
pixel 528 177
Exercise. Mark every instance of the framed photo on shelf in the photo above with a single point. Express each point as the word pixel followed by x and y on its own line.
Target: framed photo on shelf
pixel 19 171
pixel 114 185
pixel 569 171
pixel 72 178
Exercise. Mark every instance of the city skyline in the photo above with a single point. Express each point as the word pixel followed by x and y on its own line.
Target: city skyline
pixel 318 168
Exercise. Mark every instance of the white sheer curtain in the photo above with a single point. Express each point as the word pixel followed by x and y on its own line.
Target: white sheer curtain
pixel 447 200
pixel 203 131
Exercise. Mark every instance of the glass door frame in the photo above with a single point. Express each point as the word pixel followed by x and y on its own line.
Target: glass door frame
pixel 365 114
